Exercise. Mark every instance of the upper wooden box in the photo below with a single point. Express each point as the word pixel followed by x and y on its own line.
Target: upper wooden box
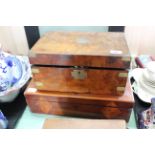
pixel 102 49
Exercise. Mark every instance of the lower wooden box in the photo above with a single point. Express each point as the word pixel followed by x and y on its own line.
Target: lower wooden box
pixel 81 105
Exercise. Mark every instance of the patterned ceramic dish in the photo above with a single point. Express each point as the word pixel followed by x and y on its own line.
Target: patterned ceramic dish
pixel 10 71
pixel 15 71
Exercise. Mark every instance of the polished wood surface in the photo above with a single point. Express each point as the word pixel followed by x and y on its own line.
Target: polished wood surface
pixel 83 124
pixel 96 81
pixel 82 49
pixel 81 105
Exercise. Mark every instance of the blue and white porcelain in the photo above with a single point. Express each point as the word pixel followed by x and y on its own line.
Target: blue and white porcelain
pixel 3 121
pixel 15 71
pixel 10 71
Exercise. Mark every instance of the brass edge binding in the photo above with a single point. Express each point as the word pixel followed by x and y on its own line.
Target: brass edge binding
pixel 120 88
pixel 123 75
pixel 38 84
pixel 127 59
pixel 31 54
pixel 35 71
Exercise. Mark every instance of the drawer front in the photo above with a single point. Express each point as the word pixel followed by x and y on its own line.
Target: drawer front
pixel 78 110
pixel 88 81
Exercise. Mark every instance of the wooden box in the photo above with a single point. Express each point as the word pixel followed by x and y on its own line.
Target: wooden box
pixel 81 63
pixel 81 74
pixel 81 105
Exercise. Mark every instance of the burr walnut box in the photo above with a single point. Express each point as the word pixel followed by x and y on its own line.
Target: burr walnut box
pixel 80 73
pixel 81 62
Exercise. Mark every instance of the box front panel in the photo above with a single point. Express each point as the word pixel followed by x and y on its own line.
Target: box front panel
pixel 86 81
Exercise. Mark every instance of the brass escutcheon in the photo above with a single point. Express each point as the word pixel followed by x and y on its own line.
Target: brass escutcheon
pixel 79 74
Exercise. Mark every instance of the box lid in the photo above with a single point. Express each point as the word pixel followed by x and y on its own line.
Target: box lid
pixel 99 49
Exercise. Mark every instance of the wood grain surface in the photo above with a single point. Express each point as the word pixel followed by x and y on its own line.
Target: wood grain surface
pixel 82 49
pixel 81 43
pixel 83 124
pixel 96 81
pixel 78 110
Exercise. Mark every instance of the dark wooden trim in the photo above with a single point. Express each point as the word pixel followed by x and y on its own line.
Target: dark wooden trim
pixel 32 34
pixel 116 28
